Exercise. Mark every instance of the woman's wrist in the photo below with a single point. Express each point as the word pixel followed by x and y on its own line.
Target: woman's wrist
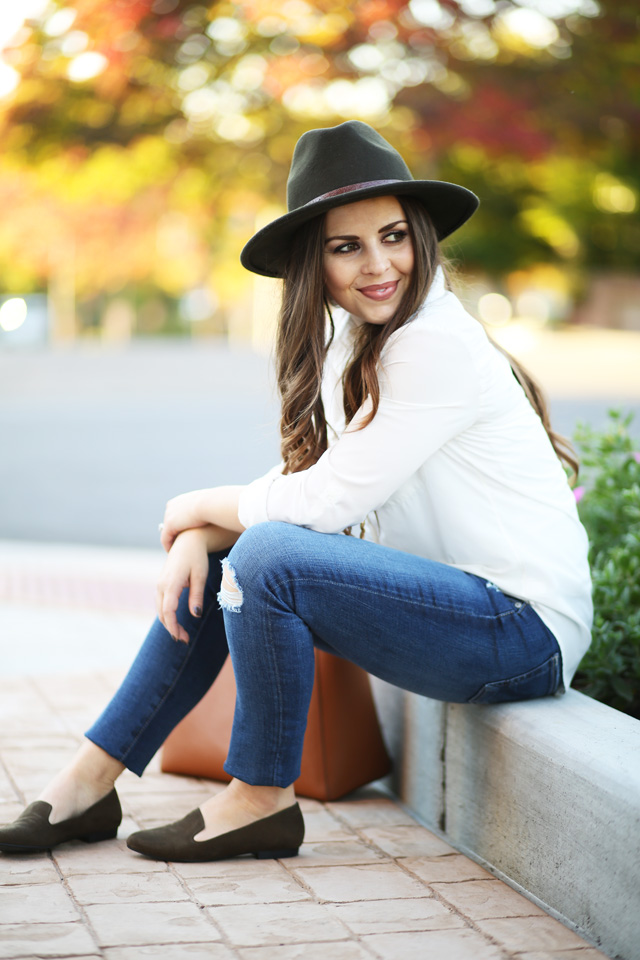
pixel 219 506
pixel 212 538
pixel 217 538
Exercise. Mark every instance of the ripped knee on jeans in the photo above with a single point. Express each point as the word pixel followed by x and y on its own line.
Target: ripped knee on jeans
pixel 230 595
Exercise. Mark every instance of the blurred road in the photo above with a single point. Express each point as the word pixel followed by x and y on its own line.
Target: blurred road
pixel 94 439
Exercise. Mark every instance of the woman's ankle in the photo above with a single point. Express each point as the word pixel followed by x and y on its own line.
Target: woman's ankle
pixel 261 800
pixel 240 804
pixel 88 778
pixel 92 764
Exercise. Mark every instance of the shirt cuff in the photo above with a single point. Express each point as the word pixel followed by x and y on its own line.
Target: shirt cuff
pixel 252 503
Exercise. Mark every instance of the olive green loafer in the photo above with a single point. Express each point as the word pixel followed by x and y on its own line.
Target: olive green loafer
pixel 273 837
pixel 32 832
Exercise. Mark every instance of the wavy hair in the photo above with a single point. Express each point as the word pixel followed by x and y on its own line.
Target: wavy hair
pixel 305 332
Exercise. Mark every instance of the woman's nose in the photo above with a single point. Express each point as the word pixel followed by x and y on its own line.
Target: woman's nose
pixel 376 261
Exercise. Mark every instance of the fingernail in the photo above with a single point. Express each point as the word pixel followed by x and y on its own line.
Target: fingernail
pixel 197 611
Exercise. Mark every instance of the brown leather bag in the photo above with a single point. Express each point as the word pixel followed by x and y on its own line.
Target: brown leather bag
pixel 343 745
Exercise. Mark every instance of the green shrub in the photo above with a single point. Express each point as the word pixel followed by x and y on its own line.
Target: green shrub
pixel 609 507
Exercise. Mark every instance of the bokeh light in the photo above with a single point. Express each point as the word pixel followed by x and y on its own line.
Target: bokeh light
pixel 13 314
pixel 86 66
pixel 495 309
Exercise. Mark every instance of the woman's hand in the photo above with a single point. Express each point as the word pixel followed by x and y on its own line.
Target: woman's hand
pixel 218 505
pixel 187 565
pixel 183 512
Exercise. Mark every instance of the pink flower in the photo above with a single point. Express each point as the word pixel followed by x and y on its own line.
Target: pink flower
pixel 636 456
pixel 578 493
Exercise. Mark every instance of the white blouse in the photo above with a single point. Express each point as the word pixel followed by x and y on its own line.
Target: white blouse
pixel 455 466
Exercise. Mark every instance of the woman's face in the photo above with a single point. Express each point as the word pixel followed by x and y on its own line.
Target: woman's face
pixel 368 257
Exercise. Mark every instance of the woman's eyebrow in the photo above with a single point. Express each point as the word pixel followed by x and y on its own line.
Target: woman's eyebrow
pixel 354 236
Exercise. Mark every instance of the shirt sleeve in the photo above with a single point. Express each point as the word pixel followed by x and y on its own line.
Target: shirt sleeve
pixel 429 394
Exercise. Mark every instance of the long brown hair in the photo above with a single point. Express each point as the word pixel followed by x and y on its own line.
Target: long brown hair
pixel 305 332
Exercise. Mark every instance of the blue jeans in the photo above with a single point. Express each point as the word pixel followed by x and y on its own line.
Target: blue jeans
pixel 418 624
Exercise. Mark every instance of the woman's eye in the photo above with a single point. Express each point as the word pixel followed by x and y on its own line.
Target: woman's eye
pixel 346 247
pixel 396 236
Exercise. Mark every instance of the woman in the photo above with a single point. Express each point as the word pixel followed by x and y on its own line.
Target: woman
pixel 469 580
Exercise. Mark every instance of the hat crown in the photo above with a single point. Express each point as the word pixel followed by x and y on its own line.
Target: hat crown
pixel 328 159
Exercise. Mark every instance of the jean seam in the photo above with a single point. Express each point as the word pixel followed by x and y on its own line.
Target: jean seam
pixel 552 663
pixel 403 599
pixel 190 651
pixel 277 759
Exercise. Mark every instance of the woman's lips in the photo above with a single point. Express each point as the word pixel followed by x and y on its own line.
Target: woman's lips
pixel 380 291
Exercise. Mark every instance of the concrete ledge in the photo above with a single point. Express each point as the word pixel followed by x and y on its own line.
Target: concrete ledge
pixel 547 792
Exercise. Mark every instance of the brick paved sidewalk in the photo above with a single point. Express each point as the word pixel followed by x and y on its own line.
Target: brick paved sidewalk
pixel 370 882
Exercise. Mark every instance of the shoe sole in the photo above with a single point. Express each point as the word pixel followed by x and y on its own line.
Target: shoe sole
pixel 88 838
pixel 275 854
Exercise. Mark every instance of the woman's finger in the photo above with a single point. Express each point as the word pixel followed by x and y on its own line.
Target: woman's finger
pixel 196 590
pixel 169 607
pixel 159 600
pixel 167 537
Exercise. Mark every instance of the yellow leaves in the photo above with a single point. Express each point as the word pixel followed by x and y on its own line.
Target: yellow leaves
pixel 524 31
pixel 92 113
pixel 322 24
pixel 111 174
pixel 190 189
pixel 612 195
pixel 323 31
pixel 547 224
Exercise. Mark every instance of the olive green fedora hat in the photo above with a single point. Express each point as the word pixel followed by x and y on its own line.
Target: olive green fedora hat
pixel 334 166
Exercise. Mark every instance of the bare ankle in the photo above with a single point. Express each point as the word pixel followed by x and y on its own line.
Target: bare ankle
pixel 94 765
pixel 88 778
pixel 262 800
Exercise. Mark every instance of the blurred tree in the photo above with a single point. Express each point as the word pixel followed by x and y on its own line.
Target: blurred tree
pixel 144 135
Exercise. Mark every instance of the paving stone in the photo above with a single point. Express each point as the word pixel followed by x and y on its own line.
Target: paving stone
pixel 277 923
pixel 244 867
pixel 371 813
pixel 340 950
pixel 8 795
pixel 164 807
pixel 41 903
pixel 129 924
pixel 483 899
pixel 322 826
pixel 408 841
pixel 271 885
pixel 129 782
pixel 383 881
pixel 68 692
pixel 387 916
pixel 27 868
pixel 129 785
pixel 10 810
pixel 532 933
pixel 168 951
pixel 110 856
pixel 329 852
pixel 45 940
pixel 309 805
pixel 21 762
pixel 583 953
pixel 452 869
pixel 436 945
pixel 127 888
pixel 127 827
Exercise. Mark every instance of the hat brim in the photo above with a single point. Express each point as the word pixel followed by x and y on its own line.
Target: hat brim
pixel 448 204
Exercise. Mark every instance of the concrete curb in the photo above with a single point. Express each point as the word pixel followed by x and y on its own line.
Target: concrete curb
pixel 546 792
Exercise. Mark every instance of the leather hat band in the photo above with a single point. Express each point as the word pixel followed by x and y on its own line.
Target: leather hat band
pixel 351 187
